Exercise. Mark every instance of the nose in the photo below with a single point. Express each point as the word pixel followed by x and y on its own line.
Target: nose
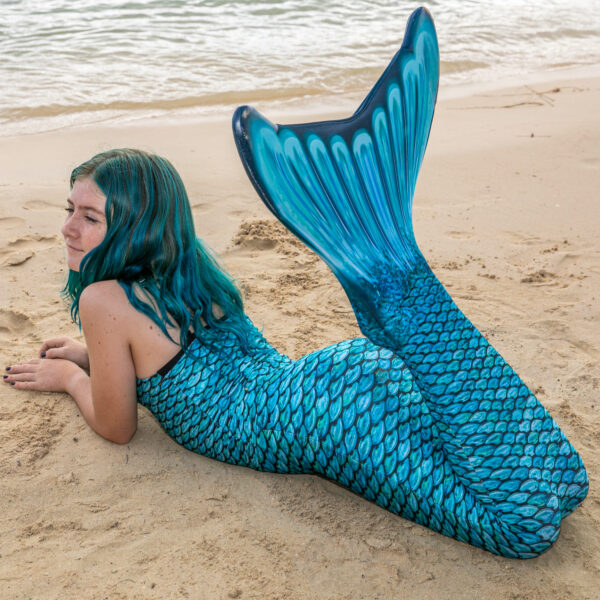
pixel 69 228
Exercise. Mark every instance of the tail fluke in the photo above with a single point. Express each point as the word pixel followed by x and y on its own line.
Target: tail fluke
pixel 346 187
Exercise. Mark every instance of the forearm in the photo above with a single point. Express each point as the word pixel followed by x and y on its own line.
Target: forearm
pixel 79 388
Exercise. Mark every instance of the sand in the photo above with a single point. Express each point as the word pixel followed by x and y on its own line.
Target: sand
pixel 506 213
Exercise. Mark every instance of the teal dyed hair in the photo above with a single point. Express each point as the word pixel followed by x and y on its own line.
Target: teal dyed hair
pixel 151 243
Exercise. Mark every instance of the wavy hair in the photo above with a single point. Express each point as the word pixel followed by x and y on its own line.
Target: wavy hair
pixel 151 243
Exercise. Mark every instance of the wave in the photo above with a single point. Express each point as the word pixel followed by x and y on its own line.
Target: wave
pixel 169 104
pixel 80 61
pixel 349 81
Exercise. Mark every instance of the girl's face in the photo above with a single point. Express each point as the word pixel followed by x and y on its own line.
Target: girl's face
pixel 85 225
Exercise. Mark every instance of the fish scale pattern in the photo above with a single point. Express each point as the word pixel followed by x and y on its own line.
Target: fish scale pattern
pixel 351 412
pixel 502 443
pixel 479 458
pixel 354 413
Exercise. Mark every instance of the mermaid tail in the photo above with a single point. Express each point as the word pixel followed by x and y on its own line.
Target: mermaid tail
pixel 345 188
pixel 351 412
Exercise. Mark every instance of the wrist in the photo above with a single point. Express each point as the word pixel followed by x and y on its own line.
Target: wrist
pixel 77 381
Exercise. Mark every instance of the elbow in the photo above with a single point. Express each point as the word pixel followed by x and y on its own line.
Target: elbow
pixel 119 437
pixel 123 439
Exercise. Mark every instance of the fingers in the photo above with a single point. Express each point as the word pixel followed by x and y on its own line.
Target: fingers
pixel 53 343
pixel 23 381
pixel 26 367
pixel 20 377
pixel 25 385
pixel 28 376
pixel 55 353
pixel 22 373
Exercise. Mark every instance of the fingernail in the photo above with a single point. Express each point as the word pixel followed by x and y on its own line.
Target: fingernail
pixel 12 383
pixel 43 354
pixel 7 369
pixel 5 376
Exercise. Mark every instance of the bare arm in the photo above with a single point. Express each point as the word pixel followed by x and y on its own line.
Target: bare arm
pixel 107 397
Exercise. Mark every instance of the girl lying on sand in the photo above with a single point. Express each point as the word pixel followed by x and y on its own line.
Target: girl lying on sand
pixel 424 417
pixel 164 326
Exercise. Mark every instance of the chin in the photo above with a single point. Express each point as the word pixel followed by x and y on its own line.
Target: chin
pixel 73 264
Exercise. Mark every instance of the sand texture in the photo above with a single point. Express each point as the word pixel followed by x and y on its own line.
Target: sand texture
pixel 506 212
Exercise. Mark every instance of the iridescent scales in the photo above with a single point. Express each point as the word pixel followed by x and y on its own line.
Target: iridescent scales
pixel 426 419
pixel 351 412
pixel 346 188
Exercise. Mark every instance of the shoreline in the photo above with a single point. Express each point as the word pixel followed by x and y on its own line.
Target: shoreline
pixel 506 214
pixel 309 104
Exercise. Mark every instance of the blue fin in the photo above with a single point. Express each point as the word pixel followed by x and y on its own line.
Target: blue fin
pixel 346 187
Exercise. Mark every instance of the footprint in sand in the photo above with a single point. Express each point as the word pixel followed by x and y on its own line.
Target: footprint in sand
pixel 19 251
pixel 525 240
pixel 554 327
pixel 568 259
pixel 12 223
pixel 587 348
pixel 14 323
pixel 201 207
pixel 507 308
pixel 594 269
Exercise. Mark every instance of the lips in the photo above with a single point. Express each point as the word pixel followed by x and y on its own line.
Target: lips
pixel 73 249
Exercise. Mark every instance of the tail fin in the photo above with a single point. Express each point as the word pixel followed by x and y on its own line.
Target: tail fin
pixel 346 187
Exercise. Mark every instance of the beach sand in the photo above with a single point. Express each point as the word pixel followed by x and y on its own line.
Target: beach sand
pixel 505 212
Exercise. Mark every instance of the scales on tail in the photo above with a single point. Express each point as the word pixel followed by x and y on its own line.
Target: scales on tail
pixel 346 189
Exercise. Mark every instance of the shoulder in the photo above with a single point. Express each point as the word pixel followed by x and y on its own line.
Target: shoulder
pixel 104 298
pixel 102 292
pixel 106 318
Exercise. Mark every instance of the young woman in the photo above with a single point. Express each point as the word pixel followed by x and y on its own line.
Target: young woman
pixel 164 326
pixel 148 279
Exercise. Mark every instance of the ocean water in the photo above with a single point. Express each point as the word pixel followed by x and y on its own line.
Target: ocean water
pixel 68 62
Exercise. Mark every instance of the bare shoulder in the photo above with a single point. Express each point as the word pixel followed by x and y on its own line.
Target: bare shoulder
pixel 110 321
pixel 106 298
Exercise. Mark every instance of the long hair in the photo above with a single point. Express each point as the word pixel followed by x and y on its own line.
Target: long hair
pixel 151 243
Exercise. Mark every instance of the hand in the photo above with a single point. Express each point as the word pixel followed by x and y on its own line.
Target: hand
pixel 44 375
pixel 67 348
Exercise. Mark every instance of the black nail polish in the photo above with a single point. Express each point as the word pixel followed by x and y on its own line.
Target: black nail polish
pixel 4 376
pixel 7 368
pixel 12 383
pixel 43 355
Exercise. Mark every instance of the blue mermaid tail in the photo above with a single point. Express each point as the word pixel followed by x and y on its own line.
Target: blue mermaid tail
pixel 345 188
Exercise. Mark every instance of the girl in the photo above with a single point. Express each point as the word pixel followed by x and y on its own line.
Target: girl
pixel 164 326
pixel 425 419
